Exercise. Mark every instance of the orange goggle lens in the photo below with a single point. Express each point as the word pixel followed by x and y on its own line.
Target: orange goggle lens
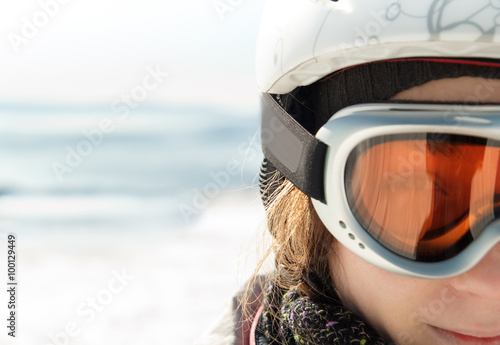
pixel 424 196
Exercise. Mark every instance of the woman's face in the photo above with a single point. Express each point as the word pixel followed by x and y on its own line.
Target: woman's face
pixel 460 310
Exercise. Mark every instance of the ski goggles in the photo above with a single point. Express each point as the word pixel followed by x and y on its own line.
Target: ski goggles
pixel 411 188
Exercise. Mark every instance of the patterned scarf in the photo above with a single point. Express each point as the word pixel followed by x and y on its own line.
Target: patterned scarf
pixel 291 318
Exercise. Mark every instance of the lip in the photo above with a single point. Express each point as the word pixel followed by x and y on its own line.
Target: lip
pixel 466 338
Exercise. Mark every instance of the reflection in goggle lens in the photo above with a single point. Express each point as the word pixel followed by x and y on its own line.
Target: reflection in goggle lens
pixel 424 196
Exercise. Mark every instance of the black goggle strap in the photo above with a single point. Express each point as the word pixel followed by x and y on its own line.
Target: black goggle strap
pixel 295 152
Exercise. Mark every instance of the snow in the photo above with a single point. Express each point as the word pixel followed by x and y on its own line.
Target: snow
pixel 173 285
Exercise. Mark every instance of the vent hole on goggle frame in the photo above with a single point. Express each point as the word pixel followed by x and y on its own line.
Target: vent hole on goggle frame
pixel 352 237
pixel 362 246
pixel 342 225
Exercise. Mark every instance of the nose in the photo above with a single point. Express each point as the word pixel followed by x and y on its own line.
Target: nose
pixel 483 279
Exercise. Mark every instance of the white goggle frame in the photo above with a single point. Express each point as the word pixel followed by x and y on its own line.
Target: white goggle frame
pixel 353 125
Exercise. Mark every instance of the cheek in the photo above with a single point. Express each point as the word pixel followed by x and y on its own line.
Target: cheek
pixel 393 304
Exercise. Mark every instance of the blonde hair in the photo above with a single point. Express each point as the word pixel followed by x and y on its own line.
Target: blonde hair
pixel 301 243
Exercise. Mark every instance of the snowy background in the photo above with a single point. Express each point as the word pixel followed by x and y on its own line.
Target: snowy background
pixel 129 156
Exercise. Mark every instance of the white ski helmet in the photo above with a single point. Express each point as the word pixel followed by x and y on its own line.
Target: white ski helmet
pixel 302 41
pixel 369 50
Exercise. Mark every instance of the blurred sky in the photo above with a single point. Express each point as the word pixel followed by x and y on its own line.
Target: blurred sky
pixel 67 64
pixel 64 64
pixel 94 50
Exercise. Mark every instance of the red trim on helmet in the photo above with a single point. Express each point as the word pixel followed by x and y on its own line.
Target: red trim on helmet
pixel 451 61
